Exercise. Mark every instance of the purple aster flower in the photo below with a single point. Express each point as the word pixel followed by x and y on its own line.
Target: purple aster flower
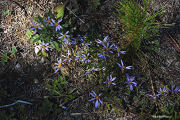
pixel 99 69
pixel 85 58
pixel 56 24
pixel 48 22
pixel 36 27
pixel 79 57
pixel 96 97
pixel 123 67
pixel 110 80
pixel 103 56
pixel 44 47
pixel 74 52
pixel 61 104
pixel 107 47
pixel 153 96
pixel 173 90
pixel 82 40
pixel 58 65
pixel 64 37
pixel 104 41
pixel 73 41
pixel 67 58
pixel 94 69
pixel 88 71
pixel 162 91
pixel 130 82
pixel 119 50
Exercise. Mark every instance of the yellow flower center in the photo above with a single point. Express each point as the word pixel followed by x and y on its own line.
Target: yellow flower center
pixel 56 24
pixel 99 69
pixel 118 50
pixel 67 57
pixel 59 65
pixel 123 68
pixel 130 82
pixel 43 47
pixel 104 54
pixel 131 78
pixel 109 82
pixel 97 98
pixel 167 91
pixel 64 36
pixel 74 54
pixel 49 21
pixel 35 27
pixel 107 49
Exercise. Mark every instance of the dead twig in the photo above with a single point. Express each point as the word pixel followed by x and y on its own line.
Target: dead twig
pixel 75 15
pixel 173 43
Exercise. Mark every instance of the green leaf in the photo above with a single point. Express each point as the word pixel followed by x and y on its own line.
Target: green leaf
pixel 65 25
pixel 55 83
pixel 72 30
pixel 4 58
pixel 29 34
pixel 7 12
pixel 116 110
pixel 48 86
pixel 70 21
pixel 70 91
pixel 108 107
pixel 71 97
pixel 14 51
pixel 60 11
pixel 34 39
pixel 38 19
pixel 45 54
pixel 63 82
pixel 55 45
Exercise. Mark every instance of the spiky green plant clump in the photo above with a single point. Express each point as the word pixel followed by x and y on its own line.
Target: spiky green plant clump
pixel 138 22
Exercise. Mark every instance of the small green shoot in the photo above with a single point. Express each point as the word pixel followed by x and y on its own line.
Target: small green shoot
pixel 4 58
pixel 13 52
pixel 138 23
pixel 7 12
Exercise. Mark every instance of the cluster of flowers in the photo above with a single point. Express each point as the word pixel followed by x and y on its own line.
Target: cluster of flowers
pixel 65 37
pixel 84 58
pixel 51 22
pixel 165 91
pixel 108 48
pixel 110 80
